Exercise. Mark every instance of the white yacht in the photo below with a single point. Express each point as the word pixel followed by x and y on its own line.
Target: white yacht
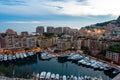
pixel 24 54
pixel 71 77
pixel 57 76
pixel 17 55
pixel 45 56
pixel 9 57
pixel 5 58
pixel 76 57
pixel 88 63
pixel 21 56
pixel 1 57
pixel 75 78
pixel 79 78
pixel 42 75
pixel 80 61
pixel 28 53
pixel 85 77
pixel 48 75
pixel 64 77
pixel 71 54
pixel 32 53
pixel 52 76
pixel 13 56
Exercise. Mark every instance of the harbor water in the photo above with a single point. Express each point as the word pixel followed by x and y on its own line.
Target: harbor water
pixel 26 68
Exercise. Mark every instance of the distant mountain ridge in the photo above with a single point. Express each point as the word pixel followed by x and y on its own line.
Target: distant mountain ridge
pixel 114 22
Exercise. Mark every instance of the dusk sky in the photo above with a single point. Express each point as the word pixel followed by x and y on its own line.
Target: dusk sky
pixel 26 15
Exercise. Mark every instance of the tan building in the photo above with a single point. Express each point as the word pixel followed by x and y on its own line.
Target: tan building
pixel 113 56
pixel 45 43
pixel 17 42
pixel 40 29
pixel 58 30
pixel 74 32
pixel 10 32
pixel 0 41
pixel 54 40
pixel 25 33
pixel 78 44
pixel 28 42
pixel 66 30
pixel 64 45
pixel 9 40
pixel 50 29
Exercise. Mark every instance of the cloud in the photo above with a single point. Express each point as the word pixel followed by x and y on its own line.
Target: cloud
pixel 12 2
pixel 22 22
pixel 60 7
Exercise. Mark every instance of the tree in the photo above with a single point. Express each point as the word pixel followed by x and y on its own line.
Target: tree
pixel 115 48
pixel 86 50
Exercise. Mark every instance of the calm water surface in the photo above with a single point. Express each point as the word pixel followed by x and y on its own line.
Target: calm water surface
pixel 23 68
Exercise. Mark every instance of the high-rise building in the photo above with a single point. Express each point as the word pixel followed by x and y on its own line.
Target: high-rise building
pixel 66 30
pixel 10 32
pixel 40 29
pixel 25 33
pixel 0 41
pixel 50 29
pixel 9 39
pixel 58 30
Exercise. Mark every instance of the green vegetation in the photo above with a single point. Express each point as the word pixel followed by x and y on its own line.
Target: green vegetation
pixel 115 48
pixel 57 51
pixel 86 50
pixel 59 35
pixel 103 24
pixel 49 35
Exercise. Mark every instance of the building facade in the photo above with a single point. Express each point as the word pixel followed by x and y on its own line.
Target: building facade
pixel 50 29
pixel 40 29
pixel 114 56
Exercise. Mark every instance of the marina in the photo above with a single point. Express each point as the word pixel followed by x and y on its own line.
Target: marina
pixel 24 67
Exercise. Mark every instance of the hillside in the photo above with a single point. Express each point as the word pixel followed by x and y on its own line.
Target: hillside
pixel 115 22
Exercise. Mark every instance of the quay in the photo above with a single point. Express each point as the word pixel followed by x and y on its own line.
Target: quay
pixel 117 77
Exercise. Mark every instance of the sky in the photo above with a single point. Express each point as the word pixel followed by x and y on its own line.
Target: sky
pixel 26 15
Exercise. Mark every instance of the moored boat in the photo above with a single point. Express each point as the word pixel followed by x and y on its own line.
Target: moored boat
pixel 46 56
pixel 64 77
pixel 75 78
pixel 5 58
pixel 48 75
pixel 57 76
pixel 52 76
pixel 42 75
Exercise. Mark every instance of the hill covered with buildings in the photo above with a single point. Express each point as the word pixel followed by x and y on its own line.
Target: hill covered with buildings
pixel 107 30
